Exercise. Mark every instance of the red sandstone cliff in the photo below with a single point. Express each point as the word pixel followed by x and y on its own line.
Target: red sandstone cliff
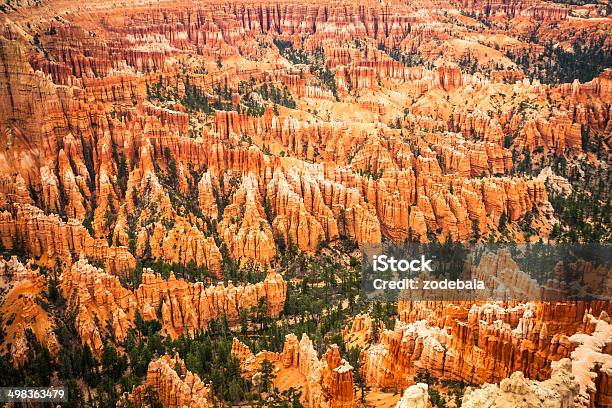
pixel 98 160
pixel 181 307
pixel 174 385
pixel 327 382
pixel 21 308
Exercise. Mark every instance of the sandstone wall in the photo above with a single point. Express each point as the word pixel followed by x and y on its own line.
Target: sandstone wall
pixel 328 382
pixel 174 389
pixel 49 238
pixel 22 295
pixel 180 306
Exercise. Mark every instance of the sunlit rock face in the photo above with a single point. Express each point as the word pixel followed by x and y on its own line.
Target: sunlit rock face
pixel 151 153
pixel 376 148
pixel 174 385
pixel 327 382
pixel 181 307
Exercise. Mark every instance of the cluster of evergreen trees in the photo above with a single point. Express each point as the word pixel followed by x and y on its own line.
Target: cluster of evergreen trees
pixel 269 92
pixel 316 61
pixel 556 65
pixel 585 217
pixel 584 214
pixel 287 50
pixel 194 99
pixel 247 91
pixel 408 59
pixel 468 63
pixel 452 388
pixel 581 3
pixel 276 95
pixel 161 90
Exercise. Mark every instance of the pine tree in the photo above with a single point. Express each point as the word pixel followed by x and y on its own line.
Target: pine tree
pixel 503 221
pixel 122 173
pixel 267 376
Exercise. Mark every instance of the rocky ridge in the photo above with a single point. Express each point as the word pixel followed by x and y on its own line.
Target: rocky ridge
pixel 173 385
pixel 180 306
pixel 328 382
pixel 23 307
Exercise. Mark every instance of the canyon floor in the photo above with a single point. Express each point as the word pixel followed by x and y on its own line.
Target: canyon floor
pixel 186 187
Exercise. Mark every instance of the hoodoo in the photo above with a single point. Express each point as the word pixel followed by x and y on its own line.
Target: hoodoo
pixel 192 194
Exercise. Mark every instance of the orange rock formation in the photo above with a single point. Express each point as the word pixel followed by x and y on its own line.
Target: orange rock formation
pixel 327 382
pixel 181 307
pixel 130 132
pixel 174 389
pixel 21 308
